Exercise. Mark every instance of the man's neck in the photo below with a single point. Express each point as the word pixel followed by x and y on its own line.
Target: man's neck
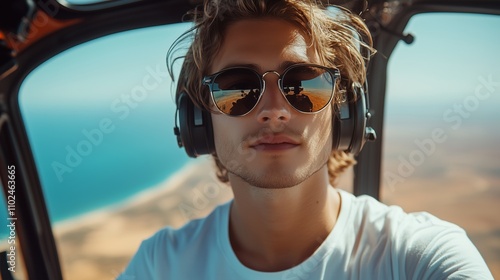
pixel 275 229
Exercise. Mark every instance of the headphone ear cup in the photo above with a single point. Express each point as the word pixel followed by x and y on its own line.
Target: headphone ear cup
pixel 349 122
pixel 195 125
pixel 343 123
pixel 360 114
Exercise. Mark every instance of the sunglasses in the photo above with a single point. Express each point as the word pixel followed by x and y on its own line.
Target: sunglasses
pixel 306 87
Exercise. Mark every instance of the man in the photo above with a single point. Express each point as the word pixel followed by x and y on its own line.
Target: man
pixel 286 220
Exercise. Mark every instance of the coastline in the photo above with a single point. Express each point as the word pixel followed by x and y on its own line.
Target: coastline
pixel 170 184
pixel 99 244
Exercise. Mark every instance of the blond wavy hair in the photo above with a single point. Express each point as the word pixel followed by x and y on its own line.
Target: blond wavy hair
pixel 341 39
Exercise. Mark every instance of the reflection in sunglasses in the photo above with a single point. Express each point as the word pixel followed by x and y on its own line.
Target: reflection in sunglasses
pixel 245 103
pixel 308 88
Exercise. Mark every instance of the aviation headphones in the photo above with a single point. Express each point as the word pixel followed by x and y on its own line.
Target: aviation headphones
pixel 195 132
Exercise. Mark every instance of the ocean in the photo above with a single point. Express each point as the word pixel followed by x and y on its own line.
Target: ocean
pixel 91 158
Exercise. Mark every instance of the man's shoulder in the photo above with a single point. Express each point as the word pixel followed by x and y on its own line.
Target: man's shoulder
pixel 419 244
pixel 367 209
pixel 392 227
pixel 172 251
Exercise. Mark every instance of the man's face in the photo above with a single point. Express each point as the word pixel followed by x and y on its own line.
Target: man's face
pixel 274 146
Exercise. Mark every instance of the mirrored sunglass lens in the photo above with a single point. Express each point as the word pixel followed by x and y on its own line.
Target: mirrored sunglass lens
pixel 308 88
pixel 236 91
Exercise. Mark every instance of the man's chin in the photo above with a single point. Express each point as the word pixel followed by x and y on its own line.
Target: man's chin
pixel 271 180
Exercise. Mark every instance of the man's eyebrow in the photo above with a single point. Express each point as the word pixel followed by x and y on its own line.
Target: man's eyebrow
pixel 246 65
pixel 283 65
pixel 288 63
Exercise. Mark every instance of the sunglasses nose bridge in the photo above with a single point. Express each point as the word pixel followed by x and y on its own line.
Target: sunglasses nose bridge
pixel 272 97
pixel 273 72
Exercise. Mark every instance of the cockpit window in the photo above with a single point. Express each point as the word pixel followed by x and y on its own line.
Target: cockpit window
pixel 100 118
pixel 441 138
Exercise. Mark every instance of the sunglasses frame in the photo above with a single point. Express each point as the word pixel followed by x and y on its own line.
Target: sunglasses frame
pixel 209 81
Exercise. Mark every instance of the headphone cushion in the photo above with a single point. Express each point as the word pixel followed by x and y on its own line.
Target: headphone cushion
pixel 349 122
pixel 196 130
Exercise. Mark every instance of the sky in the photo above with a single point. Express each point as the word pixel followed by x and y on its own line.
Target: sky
pixel 103 69
pixel 448 55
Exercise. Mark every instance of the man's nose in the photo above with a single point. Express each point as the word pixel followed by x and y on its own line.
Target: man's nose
pixel 273 109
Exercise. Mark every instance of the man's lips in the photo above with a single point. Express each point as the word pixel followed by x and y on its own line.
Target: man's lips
pixel 275 142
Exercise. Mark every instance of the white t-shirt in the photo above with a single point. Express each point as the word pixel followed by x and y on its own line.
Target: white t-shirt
pixel 369 241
